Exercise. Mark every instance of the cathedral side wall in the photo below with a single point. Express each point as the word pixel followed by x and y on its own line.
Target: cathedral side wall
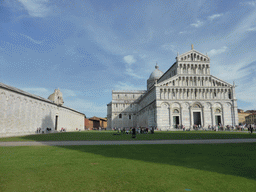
pixel 123 109
pixel 146 110
pixel 170 73
pixel 22 115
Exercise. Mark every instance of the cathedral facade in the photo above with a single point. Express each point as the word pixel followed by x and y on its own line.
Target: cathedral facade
pixel 186 94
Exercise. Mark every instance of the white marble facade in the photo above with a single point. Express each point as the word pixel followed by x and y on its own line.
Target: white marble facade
pixel 186 94
pixel 21 113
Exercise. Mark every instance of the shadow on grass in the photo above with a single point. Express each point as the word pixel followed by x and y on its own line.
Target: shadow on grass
pixel 108 135
pixel 229 159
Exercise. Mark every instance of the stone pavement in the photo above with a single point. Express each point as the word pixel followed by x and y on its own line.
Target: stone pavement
pixel 141 142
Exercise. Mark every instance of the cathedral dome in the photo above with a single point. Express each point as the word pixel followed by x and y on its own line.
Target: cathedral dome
pixel 156 74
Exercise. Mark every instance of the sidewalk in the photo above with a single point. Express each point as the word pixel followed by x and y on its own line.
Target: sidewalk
pixel 141 142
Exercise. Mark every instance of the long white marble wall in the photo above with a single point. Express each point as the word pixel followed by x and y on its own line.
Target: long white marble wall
pixel 22 115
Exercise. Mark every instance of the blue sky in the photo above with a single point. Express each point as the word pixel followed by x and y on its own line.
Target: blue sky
pixel 89 48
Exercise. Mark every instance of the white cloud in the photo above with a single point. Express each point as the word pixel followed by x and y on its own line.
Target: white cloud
pixel 129 59
pixel 143 56
pixel 169 47
pixel 3 61
pixel 45 93
pixel 31 39
pixel 182 32
pixel 130 72
pixel 168 32
pixel 215 16
pixel 214 52
pixel 68 93
pixel 246 25
pixel 250 3
pixel 42 92
pixel 127 86
pixel 36 8
pixel 251 29
pixel 88 107
pixel 197 24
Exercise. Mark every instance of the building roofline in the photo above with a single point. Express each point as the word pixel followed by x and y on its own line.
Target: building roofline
pixel 19 91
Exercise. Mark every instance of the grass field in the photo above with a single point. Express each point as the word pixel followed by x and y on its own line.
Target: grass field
pixel 108 135
pixel 218 167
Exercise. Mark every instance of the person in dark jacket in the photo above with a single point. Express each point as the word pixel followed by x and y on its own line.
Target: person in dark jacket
pixel 133 132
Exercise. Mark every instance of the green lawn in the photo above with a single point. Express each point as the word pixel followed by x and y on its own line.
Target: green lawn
pixel 108 135
pixel 216 167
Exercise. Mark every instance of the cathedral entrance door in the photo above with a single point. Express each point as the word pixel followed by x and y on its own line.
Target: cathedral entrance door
pixel 176 121
pixel 218 119
pixel 197 118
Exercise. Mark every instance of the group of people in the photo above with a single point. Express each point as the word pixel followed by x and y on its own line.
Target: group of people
pixel 42 130
pixel 138 130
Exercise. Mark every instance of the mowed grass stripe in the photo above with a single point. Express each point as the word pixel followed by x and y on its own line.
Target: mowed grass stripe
pixel 110 136
pixel 218 167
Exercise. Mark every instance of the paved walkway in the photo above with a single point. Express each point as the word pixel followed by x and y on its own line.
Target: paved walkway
pixel 63 143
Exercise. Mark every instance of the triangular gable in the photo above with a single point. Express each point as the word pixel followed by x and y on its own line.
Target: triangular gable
pixel 163 83
pixel 196 55
pixel 221 81
pixel 217 81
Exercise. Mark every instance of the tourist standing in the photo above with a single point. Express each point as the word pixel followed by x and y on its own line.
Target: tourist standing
pixel 133 132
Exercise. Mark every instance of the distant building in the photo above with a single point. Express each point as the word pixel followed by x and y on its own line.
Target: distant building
pixel 240 110
pixel 250 119
pixel 186 94
pixel 250 111
pixel 95 123
pixel 21 113
pixel 242 115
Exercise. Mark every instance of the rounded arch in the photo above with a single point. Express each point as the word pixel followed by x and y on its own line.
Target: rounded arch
pixel 217 105
pixel 186 105
pixel 165 105
pixel 218 110
pixel 197 105
pixel 176 105
pixel 175 110
pixel 208 105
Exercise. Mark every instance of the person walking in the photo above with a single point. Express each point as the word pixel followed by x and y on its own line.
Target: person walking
pixel 251 128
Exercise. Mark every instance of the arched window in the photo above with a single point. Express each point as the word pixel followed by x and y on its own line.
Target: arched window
pixel 175 111
pixel 120 116
pixel 196 106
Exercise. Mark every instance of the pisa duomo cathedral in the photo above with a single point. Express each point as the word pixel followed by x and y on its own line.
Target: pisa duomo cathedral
pixel 186 94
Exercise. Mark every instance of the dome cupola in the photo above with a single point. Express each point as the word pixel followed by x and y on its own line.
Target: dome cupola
pixel 156 74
